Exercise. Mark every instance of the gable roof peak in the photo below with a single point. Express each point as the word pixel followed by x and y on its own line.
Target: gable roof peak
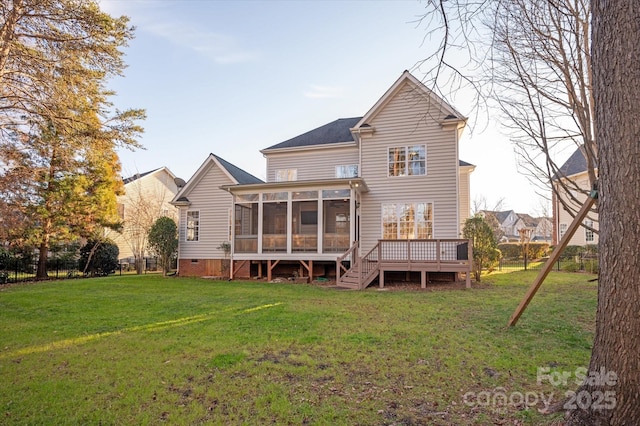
pixel 450 113
pixel 233 172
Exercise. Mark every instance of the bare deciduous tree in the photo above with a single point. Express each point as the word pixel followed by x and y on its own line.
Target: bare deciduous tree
pixel 600 111
pixel 531 61
pixel 144 202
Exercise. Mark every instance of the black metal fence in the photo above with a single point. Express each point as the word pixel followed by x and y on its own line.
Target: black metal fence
pixel 580 263
pixel 16 269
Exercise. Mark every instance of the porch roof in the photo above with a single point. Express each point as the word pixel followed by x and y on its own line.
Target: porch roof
pixel 356 183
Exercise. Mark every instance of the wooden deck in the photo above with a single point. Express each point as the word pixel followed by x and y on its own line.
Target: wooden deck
pixel 424 256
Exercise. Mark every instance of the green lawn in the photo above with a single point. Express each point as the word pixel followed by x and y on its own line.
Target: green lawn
pixel 154 350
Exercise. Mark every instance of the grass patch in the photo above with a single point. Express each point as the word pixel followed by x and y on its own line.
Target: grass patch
pixel 148 350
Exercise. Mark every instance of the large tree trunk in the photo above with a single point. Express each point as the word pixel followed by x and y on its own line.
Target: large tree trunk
pixel 41 273
pixel 615 358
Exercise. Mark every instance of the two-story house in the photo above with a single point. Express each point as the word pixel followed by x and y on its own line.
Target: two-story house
pixel 510 225
pixel 147 197
pixel 351 199
pixel 568 199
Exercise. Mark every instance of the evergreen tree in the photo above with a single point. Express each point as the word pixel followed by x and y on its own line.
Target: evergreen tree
pixel 485 247
pixel 163 241
pixel 59 170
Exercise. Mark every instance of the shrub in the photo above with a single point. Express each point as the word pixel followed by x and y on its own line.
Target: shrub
pixel 514 250
pixel 485 253
pixel 571 267
pixel 101 256
pixel 591 266
pixel 4 259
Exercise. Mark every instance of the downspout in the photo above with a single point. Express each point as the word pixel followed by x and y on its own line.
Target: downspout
pixel 233 232
pixel 457 137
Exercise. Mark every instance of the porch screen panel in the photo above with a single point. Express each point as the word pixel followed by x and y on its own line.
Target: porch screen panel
pixel 305 226
pixel 337 221
pixel 246 228
pixel 274 227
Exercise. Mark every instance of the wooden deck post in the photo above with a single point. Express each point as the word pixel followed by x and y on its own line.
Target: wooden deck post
pixel 270 266
pixel 423 279
pixel 577 221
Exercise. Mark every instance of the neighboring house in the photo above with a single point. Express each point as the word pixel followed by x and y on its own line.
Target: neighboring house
pixel 357 193
pixel 575 171
pixel 543 231
pixel 511 223
pixel 147 197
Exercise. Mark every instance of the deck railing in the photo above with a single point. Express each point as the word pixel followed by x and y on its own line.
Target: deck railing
pixel 446 255
pixel 442 251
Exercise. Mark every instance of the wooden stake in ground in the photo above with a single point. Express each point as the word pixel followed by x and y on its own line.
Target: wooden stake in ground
pixel 554 257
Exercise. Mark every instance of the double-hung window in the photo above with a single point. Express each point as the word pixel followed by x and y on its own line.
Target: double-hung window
pixel 347 171
pixel 404 221
pixel 588 233
pixel 193 226
pixel 563 229
pixel 408 160
pixel 286 175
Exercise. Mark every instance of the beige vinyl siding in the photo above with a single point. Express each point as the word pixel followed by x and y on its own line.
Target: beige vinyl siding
pixel 316 163
pixel 401 122
pixel 465 196
pixel 579 238
pixel 154 192
pixel 213 204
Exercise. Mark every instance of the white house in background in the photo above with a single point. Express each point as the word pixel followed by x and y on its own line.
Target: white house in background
pixel 147 197
pixel 351 199
pixel 511 223
pixel 574 170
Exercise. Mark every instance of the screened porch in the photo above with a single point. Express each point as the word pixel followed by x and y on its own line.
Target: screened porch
pixel 297 223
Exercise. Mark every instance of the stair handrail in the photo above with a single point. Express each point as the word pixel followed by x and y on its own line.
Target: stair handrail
pixel 353 252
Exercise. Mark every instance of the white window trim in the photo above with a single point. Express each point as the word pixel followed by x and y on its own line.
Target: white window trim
pixel 286 175
pixel 347 167
pixel 589 235
pixel 562 231
pixel 186 226
pixel 406 160
pixel 397 203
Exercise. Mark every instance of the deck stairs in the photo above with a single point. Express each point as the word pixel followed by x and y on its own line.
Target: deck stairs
pixel 362 271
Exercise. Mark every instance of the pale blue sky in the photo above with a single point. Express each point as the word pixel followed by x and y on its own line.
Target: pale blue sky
pixel 234 77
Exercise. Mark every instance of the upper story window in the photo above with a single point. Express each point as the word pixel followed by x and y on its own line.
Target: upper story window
pixel 407 160
pixel 193 226
pixel 588 233
pixel 347 171
pixel 563 229
pixel 286 175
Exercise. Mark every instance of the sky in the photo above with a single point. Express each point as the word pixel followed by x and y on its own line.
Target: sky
pixel 234 77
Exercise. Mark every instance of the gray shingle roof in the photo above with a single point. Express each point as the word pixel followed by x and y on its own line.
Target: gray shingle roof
pixel 502 216
pixel 577 163
pixel 464 163
pixel 334 132
pixel 137 176
pixel 238 174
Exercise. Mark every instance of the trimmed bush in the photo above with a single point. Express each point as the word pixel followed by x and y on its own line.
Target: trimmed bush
pixel 102 257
